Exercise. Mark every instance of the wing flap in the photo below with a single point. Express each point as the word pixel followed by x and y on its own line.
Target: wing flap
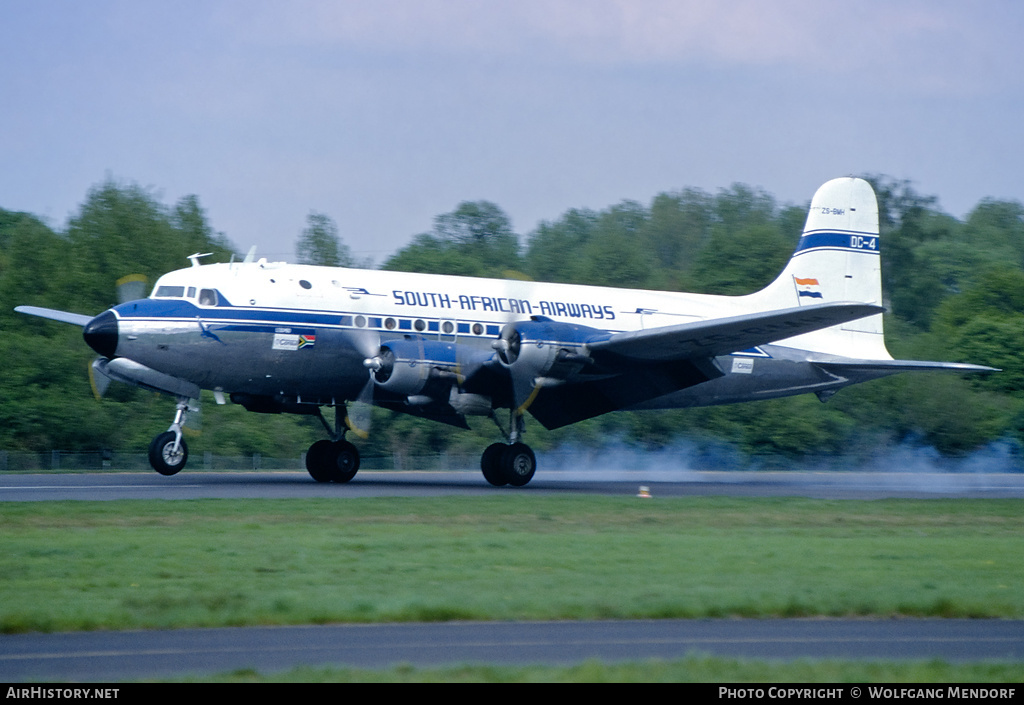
pixel 722 336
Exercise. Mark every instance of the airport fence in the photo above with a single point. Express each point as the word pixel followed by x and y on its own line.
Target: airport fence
pixel 107 461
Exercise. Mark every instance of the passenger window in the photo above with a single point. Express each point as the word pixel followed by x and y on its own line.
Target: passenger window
pixel 208 297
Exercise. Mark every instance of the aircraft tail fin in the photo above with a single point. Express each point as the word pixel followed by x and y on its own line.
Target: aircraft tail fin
pixel 836 259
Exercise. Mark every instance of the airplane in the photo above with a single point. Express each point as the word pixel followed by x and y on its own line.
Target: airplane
pixel 285 338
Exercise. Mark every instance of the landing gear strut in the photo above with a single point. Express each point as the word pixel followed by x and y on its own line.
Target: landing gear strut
pixel 335 460
pixel 168 452
pixel 509 464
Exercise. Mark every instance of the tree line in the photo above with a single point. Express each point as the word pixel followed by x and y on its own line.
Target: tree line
pixel 954 291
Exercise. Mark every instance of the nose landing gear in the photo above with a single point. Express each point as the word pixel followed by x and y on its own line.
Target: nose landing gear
pixel 168 452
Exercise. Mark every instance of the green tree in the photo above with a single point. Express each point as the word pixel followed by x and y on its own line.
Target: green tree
pixel 743 260
pixel 476 239
pixel 678 229
pixel 616 255
pixel 118 230
pixel 554 248
pixel 320 243
pixel 123 230
pixel 985 324
pixel 188 219
pixel 996 228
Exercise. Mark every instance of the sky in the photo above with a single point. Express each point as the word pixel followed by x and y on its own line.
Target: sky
pixel 384 114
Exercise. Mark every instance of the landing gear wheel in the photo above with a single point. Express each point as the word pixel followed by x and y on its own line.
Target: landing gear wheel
pixel 518 464
pixel 332 462
pixel 320 460
pixel 346 461
pixel 162 456
pixel 490 464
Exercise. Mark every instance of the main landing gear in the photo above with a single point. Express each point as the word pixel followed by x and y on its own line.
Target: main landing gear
pixel 332 461
pixel 335 460
pixel 509 464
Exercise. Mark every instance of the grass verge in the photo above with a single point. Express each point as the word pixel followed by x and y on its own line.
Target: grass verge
pixel 139 564
pixel 692 669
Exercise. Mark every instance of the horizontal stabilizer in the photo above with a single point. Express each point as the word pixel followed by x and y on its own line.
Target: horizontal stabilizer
pixel 902 366
pixel 77 319
pixel 722 336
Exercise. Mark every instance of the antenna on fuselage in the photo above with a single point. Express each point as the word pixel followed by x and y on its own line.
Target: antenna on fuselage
pixel 251 257
pixel 195 257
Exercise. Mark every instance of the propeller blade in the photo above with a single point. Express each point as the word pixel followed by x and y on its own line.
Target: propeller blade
pixel 360 413
pixel 194 420
pixel 131 288
pixel 367 344
pixel 98 379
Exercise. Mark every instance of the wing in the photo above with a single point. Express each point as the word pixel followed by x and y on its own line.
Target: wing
pixel 626 369
pixel 77 319
pixel 722 336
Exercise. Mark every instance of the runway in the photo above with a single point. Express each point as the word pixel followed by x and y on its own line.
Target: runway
pixel 280 485
pixel 119 656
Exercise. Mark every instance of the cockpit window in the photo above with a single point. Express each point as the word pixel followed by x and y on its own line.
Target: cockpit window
pixel 170 292
pixel 207 297
pixel 191 292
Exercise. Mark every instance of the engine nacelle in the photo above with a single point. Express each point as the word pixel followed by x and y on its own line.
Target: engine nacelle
pixel 545 350
pixel 406 367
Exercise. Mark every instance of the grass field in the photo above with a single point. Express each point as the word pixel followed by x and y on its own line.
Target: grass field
pixel 692 669
pixel 139 564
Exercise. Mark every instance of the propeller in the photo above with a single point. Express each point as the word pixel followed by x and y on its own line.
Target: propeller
pixel 524 387
pixel 541 353
pixel 471 360
pixel 367 344
pixel 129 288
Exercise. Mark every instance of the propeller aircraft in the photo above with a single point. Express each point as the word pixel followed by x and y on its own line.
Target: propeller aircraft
pixel 285 338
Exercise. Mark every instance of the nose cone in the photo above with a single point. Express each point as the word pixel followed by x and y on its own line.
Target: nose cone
pixel 101 334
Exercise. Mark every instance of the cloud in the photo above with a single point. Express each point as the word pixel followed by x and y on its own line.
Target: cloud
pixel 930 46
pixel 588 30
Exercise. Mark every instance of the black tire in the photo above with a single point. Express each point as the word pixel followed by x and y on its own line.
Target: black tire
pixel 346 461
pixel 518 464
pixel 490 464
pixel 320 461
pixel 332 462
pixel 162 457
